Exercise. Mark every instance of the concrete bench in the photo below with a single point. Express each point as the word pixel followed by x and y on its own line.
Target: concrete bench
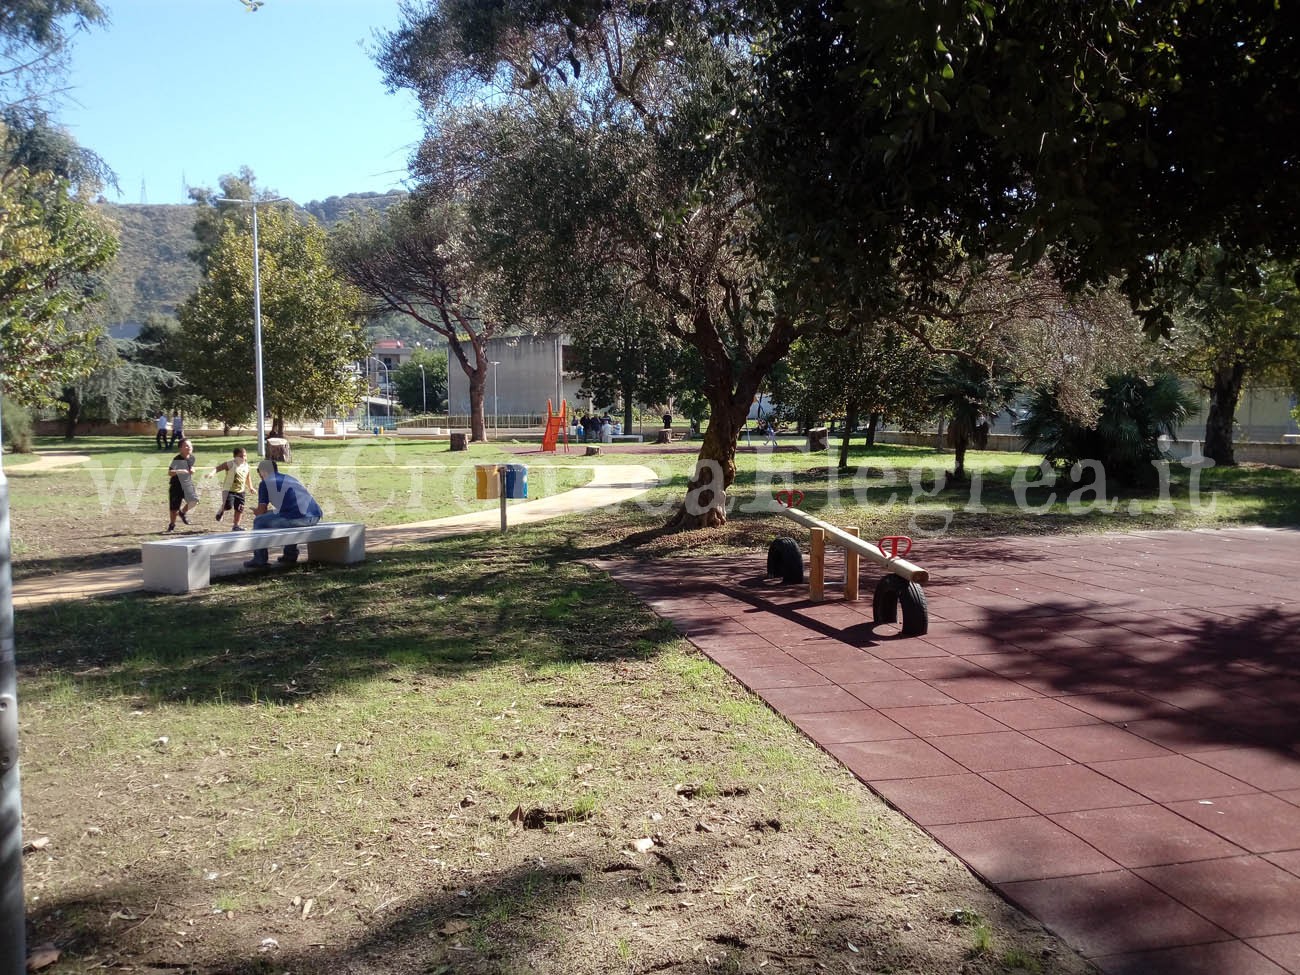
pixel 185 564
pixel 626 438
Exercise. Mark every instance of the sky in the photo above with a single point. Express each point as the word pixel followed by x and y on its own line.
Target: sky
pixel 181 92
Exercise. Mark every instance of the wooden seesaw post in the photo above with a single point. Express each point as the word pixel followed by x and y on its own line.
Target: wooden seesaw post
pixel 901 587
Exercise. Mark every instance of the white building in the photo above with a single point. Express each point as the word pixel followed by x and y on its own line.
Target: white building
pixel 528 370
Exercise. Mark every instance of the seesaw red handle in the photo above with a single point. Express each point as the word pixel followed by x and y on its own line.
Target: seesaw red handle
pixel 895 545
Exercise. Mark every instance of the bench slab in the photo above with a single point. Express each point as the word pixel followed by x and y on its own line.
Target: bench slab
pixel 184 564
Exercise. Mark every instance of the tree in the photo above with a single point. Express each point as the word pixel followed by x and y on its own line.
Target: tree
pixel 422 391
pixel 858 373
pixel 158 343
pixel 969 394
pixel 1238 319
pixel 311 334
pixel 601 162
pixel 629 360
pixel 410 260
pixel 119 387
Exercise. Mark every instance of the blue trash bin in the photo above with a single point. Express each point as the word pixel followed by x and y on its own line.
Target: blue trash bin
pixel 516 480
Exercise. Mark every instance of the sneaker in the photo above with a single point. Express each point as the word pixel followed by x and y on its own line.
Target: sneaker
pixel 169 528
pixel 220 513
pixel 288 560
pixel 183 518
pixel 238 528
pixel 255 564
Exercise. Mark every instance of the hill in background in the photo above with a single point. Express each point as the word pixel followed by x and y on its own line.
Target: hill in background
pixel 154 273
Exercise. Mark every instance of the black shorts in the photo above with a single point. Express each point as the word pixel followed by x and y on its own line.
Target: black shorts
pixel 234 501
pixel 175 493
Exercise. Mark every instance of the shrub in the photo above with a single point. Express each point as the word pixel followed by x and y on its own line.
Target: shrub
pixel 1133 413
pixel 16 424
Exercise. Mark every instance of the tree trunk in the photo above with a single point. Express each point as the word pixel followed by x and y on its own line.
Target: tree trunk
pixel 629 390
pixel 850 424
pixel 73 399
pixel 960 442
pixel 705 505
pixel 871 429
pixel 1225 392
pixel 731 393
pixel 477 396
pixel 277 427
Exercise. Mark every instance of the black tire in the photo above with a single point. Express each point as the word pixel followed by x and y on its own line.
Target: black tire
pixel 784 559
pixel 894 591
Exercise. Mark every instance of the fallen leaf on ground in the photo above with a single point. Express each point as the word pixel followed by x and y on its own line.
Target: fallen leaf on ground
pixel 643 845
pixel 453 927
pixel 42 957
pixel 36 843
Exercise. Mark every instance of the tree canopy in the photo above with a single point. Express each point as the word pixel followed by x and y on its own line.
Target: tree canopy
pixel 757 172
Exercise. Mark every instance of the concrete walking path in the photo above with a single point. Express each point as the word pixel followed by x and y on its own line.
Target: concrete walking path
pixel 609 485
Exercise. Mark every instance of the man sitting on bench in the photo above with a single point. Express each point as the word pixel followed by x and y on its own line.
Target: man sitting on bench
pixel 294 508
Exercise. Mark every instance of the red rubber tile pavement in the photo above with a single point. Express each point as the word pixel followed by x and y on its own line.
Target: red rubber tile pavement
pixel 1105 728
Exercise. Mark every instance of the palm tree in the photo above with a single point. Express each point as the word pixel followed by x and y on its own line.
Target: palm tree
pixel 1132 414
pixel 969 394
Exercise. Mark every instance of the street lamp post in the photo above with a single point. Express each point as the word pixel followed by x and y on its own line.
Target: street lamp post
pixel 257 321
pixel 424 392
pixel 388 401
pixel 496 402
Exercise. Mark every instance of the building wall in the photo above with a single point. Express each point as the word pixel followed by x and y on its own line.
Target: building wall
pixel 392 352
pixel 1263 415
pixel 527 375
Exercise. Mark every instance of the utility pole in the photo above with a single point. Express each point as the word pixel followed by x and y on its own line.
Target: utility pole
pixel 13 915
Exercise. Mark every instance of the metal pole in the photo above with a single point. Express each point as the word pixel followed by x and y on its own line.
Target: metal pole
pixel 13 917
pixel 257 342
pixel 424 393
pixel 501 473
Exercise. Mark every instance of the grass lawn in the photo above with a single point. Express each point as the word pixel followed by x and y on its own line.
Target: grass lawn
pixel 479 754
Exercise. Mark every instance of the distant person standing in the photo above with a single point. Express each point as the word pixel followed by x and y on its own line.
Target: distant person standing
pixel 177 434
pixel 235 486
pixel 668 421
pixel 161 438
pixel 294 508
pixel 181 492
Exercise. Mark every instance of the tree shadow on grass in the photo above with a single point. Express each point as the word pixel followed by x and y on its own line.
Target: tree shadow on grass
pixel 446 609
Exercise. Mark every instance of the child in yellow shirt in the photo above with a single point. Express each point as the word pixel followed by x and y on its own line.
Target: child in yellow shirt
pixel 235 486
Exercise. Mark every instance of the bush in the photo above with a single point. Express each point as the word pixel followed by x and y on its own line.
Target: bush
pixel 16 424
pixel 1133 413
